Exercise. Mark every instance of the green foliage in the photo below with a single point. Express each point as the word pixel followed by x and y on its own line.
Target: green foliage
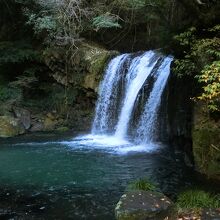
pixel 202 61
pixel 142 184
pixel 210 78
pixel 42 23
pixel 17 52
pixel 9 93
pixel 186 38
pixel 193 199
pixel 184 67
pixel 54 97
pixel 106 20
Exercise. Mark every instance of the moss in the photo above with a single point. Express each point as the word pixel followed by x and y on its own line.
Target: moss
pixel 206 151
pixel 85 65
pixel 62 129
pixel 10 127
pixel 206 142
pixel 96 59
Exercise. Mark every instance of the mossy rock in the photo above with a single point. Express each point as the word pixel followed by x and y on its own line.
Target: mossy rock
pixel 87 65
pixel 206 150
pixel 96 59
pixel 142 205
pixel 62 129
pixel 10 127
pixel 206 143
pixel 49 124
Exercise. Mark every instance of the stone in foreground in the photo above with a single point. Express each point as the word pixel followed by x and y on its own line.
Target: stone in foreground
pixel 143 205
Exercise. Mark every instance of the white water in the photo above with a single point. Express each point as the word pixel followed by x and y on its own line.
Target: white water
pixel 118 93
pixel 140 69
pixel 146 129
pixel 109 144
pixel 106 95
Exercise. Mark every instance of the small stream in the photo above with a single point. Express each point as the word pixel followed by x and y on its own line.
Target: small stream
pixel 49 176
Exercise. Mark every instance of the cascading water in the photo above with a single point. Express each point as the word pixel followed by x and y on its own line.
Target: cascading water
pixel 146 131
pixel 126 78
pixel 139 70
pixel 107 95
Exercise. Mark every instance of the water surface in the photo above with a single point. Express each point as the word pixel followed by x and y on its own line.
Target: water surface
pixel 56 177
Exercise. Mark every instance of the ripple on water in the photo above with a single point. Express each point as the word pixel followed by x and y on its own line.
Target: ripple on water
pixel 82 177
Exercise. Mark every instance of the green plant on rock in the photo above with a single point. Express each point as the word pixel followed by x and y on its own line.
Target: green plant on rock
pixel 142 184
pixel 195 199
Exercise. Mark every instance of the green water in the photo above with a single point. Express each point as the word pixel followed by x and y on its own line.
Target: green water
pixel 42 178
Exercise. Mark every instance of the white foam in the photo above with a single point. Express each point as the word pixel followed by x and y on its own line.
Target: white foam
pixel 109 144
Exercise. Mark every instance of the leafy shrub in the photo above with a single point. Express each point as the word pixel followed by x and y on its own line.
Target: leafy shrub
pixel 202 61
pixel 210 78
pixel 43 23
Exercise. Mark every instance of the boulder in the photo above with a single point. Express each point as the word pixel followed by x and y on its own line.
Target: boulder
pixel 10 126
pixel 24 116
pixel 49 124
pixel 37 126
pixel 210 214
pixel 143 205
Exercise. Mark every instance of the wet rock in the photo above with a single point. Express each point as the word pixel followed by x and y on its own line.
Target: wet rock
pixel 7 214
pixel 143 205
pixel 10 126
pixel 51 116
pixel 49 124
pixel 211 214
pixel 87 65
pixel 24 116
pixel 37 126
pixel 62 129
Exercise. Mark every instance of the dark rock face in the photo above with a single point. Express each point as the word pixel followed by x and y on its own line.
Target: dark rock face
pixel 191 129
pixel 86 65
pixel 143 205
pixel 65 96
pixel 180 114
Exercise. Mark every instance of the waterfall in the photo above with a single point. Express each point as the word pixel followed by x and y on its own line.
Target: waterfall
pixel 107 95
pixel 140 69
pixel 125 79
pixel 146 131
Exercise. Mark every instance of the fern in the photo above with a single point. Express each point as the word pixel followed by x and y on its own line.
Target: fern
pixel 106 20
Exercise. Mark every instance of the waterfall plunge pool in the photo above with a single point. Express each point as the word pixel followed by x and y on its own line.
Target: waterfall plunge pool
pixel 58 177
